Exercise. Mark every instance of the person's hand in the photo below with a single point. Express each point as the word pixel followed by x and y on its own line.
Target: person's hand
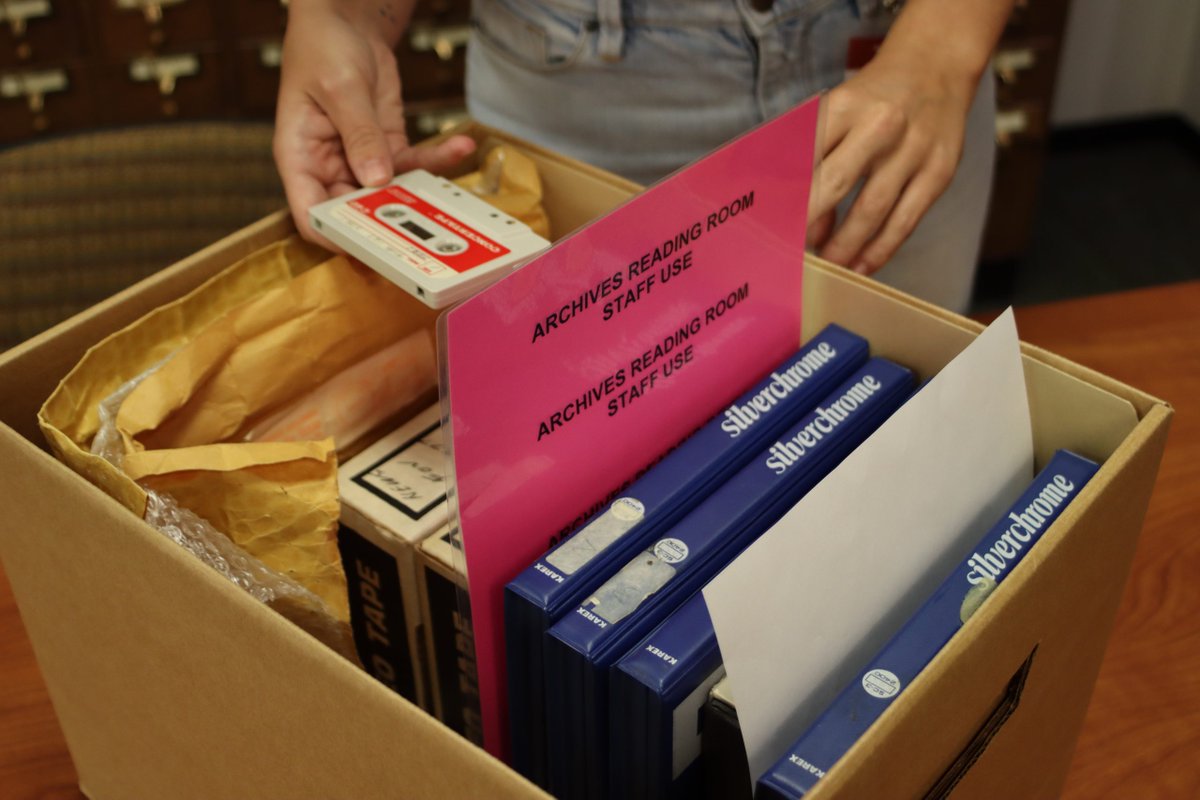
pixel 897 126
pixel 339 121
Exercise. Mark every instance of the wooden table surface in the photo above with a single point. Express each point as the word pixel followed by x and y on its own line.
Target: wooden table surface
pixel 1142 734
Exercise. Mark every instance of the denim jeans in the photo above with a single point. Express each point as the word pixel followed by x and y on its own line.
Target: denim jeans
pixel 643 87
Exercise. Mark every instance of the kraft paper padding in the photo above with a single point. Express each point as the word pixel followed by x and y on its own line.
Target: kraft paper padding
pixel 509 180
pixel 259 495
pixel 264 354
pixel 69 420
pixel 277 501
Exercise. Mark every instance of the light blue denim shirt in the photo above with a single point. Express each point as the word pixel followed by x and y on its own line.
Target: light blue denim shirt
pixel 643 87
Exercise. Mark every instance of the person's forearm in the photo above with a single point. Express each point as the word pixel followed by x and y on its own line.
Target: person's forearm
pixel 386 18
pixel 956 36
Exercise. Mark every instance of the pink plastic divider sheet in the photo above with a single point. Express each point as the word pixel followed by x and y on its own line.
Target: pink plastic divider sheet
pixel 578 370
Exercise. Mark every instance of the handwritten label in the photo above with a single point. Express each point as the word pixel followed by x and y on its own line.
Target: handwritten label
pixel 411 479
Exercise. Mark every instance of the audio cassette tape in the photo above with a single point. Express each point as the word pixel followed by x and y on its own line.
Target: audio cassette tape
pixel 430 237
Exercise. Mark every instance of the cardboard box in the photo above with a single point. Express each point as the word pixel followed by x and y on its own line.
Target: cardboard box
pixel 449 640
pixel 393 496
pixel 170 682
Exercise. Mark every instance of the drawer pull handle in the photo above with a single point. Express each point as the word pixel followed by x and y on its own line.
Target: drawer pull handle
pixel 1010 124
pixel 431 122
pixel 152 10
pixel 1008 64
pixel 164 70
pixel 443 41
pixel 270 55
pixel 17 13
pixel 33 86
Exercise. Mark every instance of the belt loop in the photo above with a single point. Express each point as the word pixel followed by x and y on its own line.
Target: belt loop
pixel 612 29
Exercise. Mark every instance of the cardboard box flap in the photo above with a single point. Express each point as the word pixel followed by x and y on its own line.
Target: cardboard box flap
pixel 72 408
pixel 171 683
pixel 69 416
pixel 1070 413
pixel 1067 409
pixel 168 681
pixel 1050 618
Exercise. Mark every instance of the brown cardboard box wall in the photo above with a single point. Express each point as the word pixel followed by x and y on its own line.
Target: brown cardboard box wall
pixel 169 682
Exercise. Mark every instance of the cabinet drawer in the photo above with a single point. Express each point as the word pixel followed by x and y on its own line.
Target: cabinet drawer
pixel 426 118
pixel 45 100
pixel 1020 124
pixel 38 32
pixel 428 73
pixel 258 76
pixel 259 19
pixel 1025 68
pixel 1014 200
pixel 130 27
pixel 442 11
pixel 1033 17
pixel 163 86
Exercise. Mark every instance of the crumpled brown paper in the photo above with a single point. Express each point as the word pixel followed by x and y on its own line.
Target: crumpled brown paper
pixel 251 339
pixel 268 352
pixel 69 419
pixel 358 399
pixel 509 180
pixel 229 354
pixel 278 502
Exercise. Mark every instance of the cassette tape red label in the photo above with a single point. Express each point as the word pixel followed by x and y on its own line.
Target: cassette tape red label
pixel 427 235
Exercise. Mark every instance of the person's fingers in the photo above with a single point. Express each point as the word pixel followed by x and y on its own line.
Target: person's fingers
pixel 836 119
pixel 339 188
pixel 389 108
pixel 915 200
pixel 872 136
pixel 872 206
pixel 312 168
pixel 863 220
pixel 819 230
pixel 303 191
pixel 834 134
pixel 347 100
pixel 435 158
pixel 300 186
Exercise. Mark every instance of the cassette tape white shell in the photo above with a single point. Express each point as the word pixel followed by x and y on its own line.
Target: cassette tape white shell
pixel 428 236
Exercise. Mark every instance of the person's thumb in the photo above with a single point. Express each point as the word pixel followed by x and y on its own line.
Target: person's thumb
pixel 352 112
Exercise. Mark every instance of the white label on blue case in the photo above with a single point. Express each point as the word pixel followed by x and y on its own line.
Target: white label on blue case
pixel 881 683
pixel 671 551
pixel 621 516
pixel 624 592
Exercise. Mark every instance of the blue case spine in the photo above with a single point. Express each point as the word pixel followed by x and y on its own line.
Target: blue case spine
pixel 583 645
pixel 546 590
pixel 627 714
pixel 929 630
pixel 677 659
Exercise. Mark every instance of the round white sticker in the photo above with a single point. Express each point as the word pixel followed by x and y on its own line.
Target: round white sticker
pixel 881 683
pixel 671 551
pixel 627 509
pixel 974 598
